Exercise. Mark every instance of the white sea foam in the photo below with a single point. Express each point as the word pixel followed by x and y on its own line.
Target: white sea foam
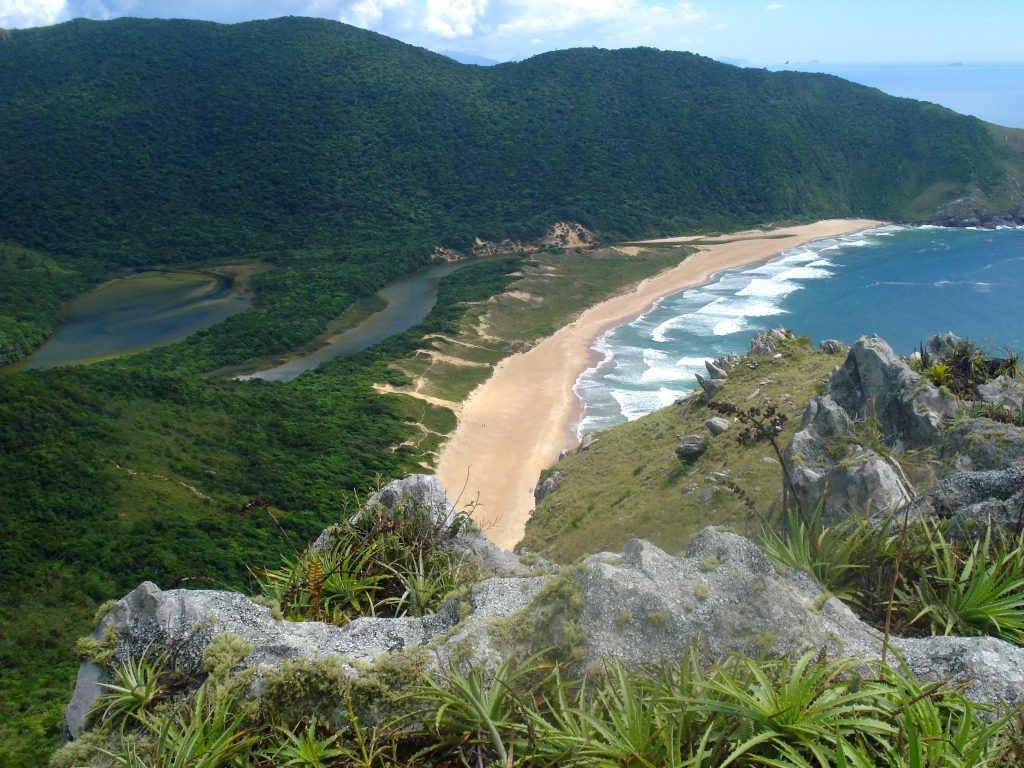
pixel 803 273
pixel 636 403
pixel 725 327
pixel 822 263
pixel 768 288
pixel 693 363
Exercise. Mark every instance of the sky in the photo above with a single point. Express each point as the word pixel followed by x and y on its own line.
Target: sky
pixel 761 32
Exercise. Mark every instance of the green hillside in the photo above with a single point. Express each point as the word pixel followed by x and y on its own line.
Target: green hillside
pixel 143 141
pixel 338 159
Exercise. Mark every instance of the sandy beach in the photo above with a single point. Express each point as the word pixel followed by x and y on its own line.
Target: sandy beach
pixel 517 422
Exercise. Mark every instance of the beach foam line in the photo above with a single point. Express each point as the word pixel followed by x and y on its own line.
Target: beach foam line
pixel 515 424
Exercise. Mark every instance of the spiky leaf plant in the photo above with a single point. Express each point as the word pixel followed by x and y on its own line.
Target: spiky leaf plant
pixel 969 592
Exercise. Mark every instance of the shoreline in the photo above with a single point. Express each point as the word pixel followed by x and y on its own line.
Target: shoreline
pixel 516 423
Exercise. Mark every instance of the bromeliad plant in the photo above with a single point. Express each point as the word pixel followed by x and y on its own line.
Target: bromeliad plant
pixel 381 563
pixel 969 591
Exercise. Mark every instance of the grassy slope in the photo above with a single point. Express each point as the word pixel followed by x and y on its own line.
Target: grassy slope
pixel 551 289
pixel 630 483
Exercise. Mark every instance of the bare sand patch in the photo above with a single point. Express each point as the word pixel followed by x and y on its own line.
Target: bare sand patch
pixel 518 421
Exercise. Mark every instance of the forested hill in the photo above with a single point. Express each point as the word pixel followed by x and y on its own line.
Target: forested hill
pixel 141 141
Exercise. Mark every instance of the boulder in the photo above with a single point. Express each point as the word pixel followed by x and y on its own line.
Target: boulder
pixel 716 425
pixel 970 498
pixel 874 382
pixel 824 463
pixel 976 444
pixel 833 347
pixel 588 441
pixel 711 387
pixel 691 447
pixel 727 596
pixel 940 345
pixel 423 495
pixel 716 372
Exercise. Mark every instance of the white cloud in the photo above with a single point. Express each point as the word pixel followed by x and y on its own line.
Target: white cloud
pixel 454 18
pixel 15 14
pixel 774 6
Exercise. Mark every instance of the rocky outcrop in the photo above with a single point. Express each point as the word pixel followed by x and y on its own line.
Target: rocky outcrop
pixel 711 387
pixel 641 606
pixel 874 382
pixel 1004 392
pixel 828 460
pixel 547 486
pixel 833 347
pixel 972 498
pixel 765 343
pixel 825 465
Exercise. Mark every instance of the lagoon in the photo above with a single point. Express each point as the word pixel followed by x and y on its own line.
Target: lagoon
pixel 136 313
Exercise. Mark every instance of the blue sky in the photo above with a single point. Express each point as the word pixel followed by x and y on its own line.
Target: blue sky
pixel 765 32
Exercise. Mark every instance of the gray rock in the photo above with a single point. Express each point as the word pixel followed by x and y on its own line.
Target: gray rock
pixel 547 486
pixel 940 345
pixel 711 387
pixel 691 447
pixel 875 382
pixel 716 425
pixel 1004 391
pixel 975 498
pixel 992 669
pixel 87 688
pixel 975 444
pixel 833 347
pixel 641 607
pixel 188 620
pixel 588 441
pixel 715 372
pixel 726 595
pixel 824 464
pixel 764 342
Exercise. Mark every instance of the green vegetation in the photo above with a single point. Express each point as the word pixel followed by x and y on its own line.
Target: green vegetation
pixel 630 483
pixel 339 159
pixel 303 133
pixel 378 565
pixel 32 289
pixel 124 471
pixel 551 289
pixel 793 712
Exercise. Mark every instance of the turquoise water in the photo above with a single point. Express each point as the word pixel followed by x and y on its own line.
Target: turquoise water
pixel 904 284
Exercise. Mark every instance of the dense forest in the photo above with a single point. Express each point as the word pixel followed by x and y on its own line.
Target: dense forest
pixel 147 141
pixel 337 158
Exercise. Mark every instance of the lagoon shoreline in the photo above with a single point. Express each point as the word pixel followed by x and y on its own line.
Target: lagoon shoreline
pixel 515 424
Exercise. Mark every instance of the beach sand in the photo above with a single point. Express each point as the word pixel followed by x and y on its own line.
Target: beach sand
pixel 517 422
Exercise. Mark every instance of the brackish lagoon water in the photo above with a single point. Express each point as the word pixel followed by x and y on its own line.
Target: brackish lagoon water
pixel 137 313
pixel 409 300
pixel 904 284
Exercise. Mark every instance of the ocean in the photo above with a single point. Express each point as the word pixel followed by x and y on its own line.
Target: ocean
pixel 903 283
